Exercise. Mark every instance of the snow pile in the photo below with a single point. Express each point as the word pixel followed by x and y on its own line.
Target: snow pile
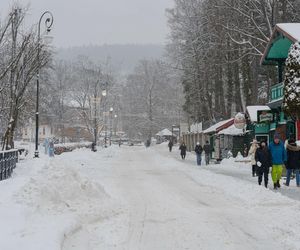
pixel 46 200
pixel 60 190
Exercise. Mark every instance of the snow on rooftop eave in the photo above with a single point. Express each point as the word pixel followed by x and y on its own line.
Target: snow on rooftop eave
pixel 214 127
pixel 164 132
pixel 252 111
pixel 231 130
pixel 291 30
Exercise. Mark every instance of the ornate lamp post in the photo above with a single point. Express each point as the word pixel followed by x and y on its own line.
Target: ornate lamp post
pixel 48 23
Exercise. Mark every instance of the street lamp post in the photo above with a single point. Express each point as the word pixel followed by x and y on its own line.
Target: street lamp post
pixel 110 116
pixel 48 24
pixel 115 124
pixel 104 93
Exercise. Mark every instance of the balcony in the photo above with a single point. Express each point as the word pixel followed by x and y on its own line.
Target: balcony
pixel 276 92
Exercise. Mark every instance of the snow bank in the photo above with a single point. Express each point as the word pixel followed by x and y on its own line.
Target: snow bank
pixel 46 200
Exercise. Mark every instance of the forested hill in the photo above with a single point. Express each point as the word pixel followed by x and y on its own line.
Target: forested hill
pixel 124 57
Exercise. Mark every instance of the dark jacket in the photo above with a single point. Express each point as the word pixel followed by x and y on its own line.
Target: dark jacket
pixel 198 149
pixel 263 155
pixel 293 156
pixel 206 149
pixel 182 149
pixel 170 144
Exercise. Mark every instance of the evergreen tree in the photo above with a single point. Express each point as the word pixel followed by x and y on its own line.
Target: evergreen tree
pixel 292 82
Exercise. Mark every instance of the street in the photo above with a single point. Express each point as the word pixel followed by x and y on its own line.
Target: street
pixel 166 204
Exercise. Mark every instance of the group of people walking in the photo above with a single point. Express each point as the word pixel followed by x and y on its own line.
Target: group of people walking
pixel 198 150
pixel 275 156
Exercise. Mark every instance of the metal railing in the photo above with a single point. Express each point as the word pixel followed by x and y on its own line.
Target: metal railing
pixel 8 162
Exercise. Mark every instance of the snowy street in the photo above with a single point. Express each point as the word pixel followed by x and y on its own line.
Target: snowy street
pixel 137 198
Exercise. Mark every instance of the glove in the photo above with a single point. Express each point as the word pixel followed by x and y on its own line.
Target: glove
pixel 258 164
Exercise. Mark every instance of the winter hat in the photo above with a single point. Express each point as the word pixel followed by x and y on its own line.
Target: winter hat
pixel 291 141
pixel 276 135
pixel 254 141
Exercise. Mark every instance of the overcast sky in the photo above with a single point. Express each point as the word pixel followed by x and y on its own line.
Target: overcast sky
pixel 84 22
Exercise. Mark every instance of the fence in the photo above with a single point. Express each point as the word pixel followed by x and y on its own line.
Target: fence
pixel 8 161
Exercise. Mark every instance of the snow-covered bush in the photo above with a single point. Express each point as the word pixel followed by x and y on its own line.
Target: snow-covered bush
pixel 292 82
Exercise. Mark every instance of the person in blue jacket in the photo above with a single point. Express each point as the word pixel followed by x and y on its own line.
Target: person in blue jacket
pixel 279 157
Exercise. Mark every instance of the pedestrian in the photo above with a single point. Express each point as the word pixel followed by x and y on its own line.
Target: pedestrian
pixel 279 158
pixel 51 148
pixel 46 145
pixel 252 151
pixel 293 161
pixel 94 147
pixel 263 160
pixel 170 145
pixel 245 151
pixel 198 150
pixel 182 149
pixel 206 149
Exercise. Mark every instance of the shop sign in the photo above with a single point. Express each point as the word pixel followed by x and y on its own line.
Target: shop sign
pixel 265 116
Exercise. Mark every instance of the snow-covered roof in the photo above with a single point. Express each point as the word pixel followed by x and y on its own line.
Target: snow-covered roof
pixel 291 29
pixel 164 132
pixel 214 127
pixel 231 130
pixel 283 36
pixel 252 111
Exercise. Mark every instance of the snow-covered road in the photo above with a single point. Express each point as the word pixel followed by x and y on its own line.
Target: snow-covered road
pixel 167 204
pixel 137 198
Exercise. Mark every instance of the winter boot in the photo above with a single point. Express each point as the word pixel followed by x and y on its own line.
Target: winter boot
pixel 278 184
pixel 266 185
pixel 275 185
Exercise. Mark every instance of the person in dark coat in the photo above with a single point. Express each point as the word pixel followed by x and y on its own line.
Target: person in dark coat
pixel 170 145
pixel 182 149
pixel 206 149
pixel 198 150
pixel 263 160
pixel 293 161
